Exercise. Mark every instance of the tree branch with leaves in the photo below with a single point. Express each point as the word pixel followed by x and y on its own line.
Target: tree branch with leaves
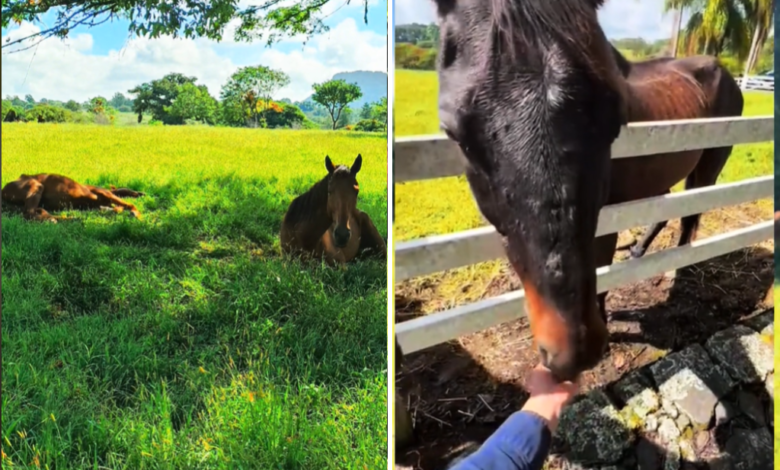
pixel 271 20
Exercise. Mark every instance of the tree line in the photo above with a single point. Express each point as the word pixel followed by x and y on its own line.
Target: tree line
pixel 245 100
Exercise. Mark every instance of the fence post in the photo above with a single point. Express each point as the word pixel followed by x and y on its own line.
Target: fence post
pixel 404 428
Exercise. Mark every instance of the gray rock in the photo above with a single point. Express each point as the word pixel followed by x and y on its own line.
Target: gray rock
pixel 769 330
pixel 669 408
pixel 594 430
pixel 723 413
pixel 672 461
pixel 667 430
pixel 636 391
pixel 751 406
pixel 750 449
pixel 651 423
pixel 770 385
pixel 691 381
pixel 687 450
pixel 761 321
pixel 743 353
pixel 722 462
pixel 647 455
pixel 682 421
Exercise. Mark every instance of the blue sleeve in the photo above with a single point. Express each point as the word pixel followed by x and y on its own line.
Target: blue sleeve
pixel 521 443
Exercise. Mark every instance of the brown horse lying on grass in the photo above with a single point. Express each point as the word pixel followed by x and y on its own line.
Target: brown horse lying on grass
pixel 325 221
pixel 36 194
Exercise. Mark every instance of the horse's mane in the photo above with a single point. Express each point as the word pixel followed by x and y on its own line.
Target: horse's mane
pixel 568 24
pixel 312 201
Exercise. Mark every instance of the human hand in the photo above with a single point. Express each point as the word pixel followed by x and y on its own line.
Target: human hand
pixel 548 396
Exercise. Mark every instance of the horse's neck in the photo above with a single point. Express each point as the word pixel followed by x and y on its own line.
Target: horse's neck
pixel 318 207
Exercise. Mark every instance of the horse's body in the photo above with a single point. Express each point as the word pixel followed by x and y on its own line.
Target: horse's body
pixel 324 222
pixel 37 194
pixel 535 95
pixel 669 89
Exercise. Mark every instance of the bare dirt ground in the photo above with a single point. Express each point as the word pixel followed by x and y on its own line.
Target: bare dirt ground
pixel 460 392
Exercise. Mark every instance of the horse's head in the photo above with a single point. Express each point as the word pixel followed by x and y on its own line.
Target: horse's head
pixel 530 91
pixel 342 198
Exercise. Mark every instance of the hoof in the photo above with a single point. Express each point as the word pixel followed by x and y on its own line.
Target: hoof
pixel 637 252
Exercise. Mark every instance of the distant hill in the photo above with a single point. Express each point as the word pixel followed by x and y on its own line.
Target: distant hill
pixel 372 84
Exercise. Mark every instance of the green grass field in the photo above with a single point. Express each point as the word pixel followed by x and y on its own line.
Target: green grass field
pixel 185 340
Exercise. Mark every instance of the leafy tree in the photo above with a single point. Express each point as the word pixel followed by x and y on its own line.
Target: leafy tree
pixel 72 105
pixel 98 105
pixel 7 108
pixel 252 89
pixel 155 96
pixel 29 99
pixel 45 113
pixel 366 111
pixel 370 125
pixel 271 20
pixel 288 116
pixel 346 118
pixel 335 95
pixel 193 102
pixel 379 111
pixel 119 100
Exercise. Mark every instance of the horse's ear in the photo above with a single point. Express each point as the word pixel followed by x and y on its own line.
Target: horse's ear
pixel 356 166
pixel 329 164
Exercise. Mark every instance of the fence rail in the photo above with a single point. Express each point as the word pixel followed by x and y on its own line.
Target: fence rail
pixel 757 82
pixel 429 157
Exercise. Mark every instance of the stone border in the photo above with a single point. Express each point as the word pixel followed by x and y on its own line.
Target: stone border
pixel 700 405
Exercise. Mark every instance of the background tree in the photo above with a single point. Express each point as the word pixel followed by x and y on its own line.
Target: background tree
pixel 335 95
pixel 715 27
pixel 73 105
pixel 270 20
pixel 252 89
pixel 193 102
pixel 155 96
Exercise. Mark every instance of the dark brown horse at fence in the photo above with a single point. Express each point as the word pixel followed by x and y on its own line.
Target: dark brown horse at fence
pixel 325 221
pixel 535 95
pixel 37 194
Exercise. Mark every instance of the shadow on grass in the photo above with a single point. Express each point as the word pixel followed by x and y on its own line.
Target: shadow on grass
pixel 456 403
pixel 123 338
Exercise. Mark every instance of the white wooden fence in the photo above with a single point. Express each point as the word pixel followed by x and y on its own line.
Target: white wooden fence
pixel 757 82
pixel 428 157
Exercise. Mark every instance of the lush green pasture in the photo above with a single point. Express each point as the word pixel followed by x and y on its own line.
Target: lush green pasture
pixel 445 205
pixel 185 340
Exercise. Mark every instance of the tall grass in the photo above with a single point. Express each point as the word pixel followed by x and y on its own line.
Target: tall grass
pixel 185 340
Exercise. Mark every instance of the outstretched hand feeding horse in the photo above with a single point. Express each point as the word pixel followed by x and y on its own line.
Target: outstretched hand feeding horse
pixel 35 194
pixel 535 95
pixel 325 221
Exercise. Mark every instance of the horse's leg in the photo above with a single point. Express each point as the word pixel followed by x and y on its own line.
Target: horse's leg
pixel 32 201
pixel 704 174
pixel 639 250
pixel 371 239
pixel 604 251
pixel 108 198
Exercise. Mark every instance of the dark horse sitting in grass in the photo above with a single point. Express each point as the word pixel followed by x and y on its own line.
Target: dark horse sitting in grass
pixel 325 221
pixel 535 95
pixel 35 194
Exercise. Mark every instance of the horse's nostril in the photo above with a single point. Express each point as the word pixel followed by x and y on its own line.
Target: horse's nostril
pixel 544 356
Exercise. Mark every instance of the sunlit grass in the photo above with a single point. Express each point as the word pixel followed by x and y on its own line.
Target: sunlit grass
pixel 185 340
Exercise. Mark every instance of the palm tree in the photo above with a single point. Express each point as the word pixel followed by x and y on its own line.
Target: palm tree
pixel 762 14
pixel 715 25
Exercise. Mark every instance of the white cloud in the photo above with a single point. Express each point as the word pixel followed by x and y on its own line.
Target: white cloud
pixel 69 70
pixel 619 18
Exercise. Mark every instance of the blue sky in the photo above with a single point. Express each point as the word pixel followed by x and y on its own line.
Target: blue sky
pixel 104 59
pixel 618 18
